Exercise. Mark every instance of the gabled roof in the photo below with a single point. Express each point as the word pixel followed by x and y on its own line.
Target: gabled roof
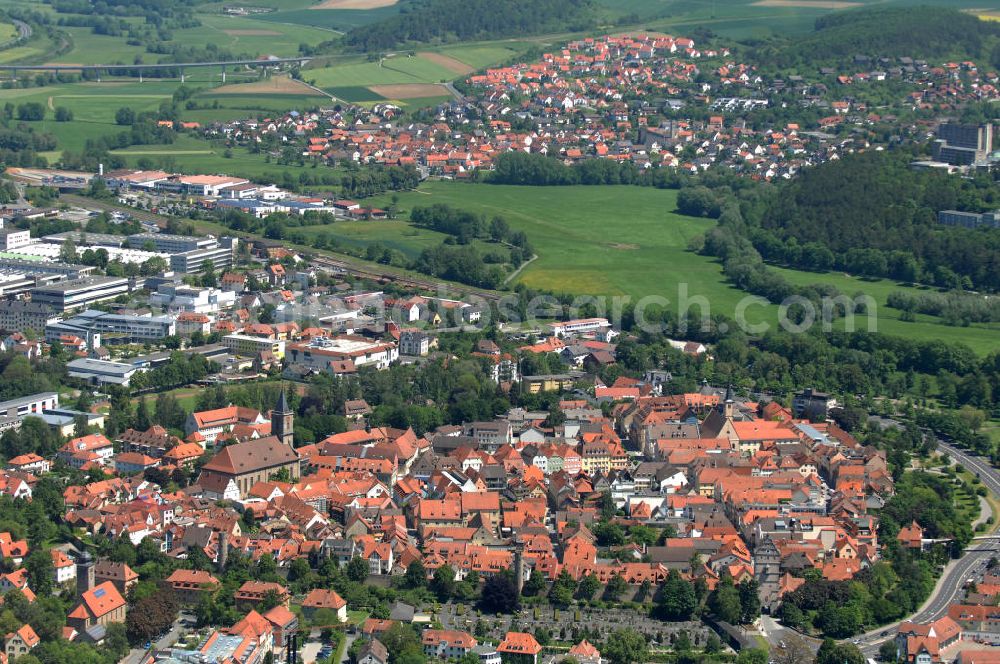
pixel 251 456
pixel 101 600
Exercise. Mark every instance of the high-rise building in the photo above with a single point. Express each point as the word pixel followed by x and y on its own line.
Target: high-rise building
pixel 963 145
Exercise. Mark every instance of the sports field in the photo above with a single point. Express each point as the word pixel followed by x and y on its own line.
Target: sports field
pixel 619 240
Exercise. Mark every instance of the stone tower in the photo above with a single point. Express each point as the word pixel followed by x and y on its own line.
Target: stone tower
pixel 84 572
pixel 282 419
pixel 519 572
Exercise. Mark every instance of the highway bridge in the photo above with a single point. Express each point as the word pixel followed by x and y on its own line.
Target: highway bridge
pixel 137 70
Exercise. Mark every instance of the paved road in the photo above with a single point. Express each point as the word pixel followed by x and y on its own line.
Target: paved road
pixel 948 589
pixel 23 29
pixel 957 572
pixel 170 638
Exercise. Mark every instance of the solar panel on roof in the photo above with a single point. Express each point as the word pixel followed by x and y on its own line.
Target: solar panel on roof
pixel 99 593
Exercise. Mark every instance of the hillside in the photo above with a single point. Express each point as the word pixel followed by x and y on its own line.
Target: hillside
pixel 930 33
pixel 871 214
pixel 464 20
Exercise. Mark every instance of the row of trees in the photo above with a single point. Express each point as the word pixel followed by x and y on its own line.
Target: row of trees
pixel 533 169
pixel 954 307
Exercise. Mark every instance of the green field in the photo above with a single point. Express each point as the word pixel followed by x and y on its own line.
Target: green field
pixel 482 56
pixel 331 19
pixel 629 241
pixel 191 155
pixel 18 53
pixel 400 69
pixel 92 49
pixel 981 336
pixel 7 32
pixel 94 106
pixel 395 234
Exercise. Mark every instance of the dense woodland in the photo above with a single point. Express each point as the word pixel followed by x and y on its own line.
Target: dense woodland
pixel 915 32
pixel 465 20
pixel 871 214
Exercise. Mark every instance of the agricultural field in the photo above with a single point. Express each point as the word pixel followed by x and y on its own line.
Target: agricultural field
pixel 394 234
pixel 92 49
pixel 409 81
pixel 193 155
pixel 7 32
pixel 479 57
pixel 93 106
pixel 628 241
pixel 389 71
pixel 247 35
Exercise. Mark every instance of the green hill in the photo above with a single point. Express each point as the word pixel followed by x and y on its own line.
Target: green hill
pixel 928 33
pixel 465 20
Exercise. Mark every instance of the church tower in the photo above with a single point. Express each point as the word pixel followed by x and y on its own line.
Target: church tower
pixel 729 404
pixel 84 572
pixel 281 420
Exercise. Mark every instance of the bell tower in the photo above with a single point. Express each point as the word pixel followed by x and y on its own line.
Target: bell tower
pixel 282 419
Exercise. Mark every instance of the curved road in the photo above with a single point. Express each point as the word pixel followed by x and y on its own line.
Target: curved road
pixel 23 29
pixel 957 572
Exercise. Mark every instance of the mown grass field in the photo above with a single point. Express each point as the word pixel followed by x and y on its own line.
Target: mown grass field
pixel 7 31
pixel 401 69
pixel 94 106
pixel 984 337
pixel 629 241
pixel 191 155
pixel 480 56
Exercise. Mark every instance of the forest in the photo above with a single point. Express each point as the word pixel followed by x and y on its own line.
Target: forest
pixel 872 215
pixel 465 20
pixel 915 32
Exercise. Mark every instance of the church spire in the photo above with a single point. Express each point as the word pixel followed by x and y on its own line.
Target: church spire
pixel 282 420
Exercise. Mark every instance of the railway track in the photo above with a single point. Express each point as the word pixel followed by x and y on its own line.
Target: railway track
pixel 411 282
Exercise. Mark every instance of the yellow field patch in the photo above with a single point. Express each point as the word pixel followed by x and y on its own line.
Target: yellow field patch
pixel 276 85
pixel 448 62
pixel 409 90
pixel 354 4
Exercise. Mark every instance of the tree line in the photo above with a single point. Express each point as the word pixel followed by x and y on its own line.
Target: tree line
pixel 916 32
pixel 956 308
pixel 524 168
pixel 466 20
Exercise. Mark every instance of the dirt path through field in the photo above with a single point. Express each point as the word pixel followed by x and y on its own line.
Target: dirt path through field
pixel 410 90
pixel 448 62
